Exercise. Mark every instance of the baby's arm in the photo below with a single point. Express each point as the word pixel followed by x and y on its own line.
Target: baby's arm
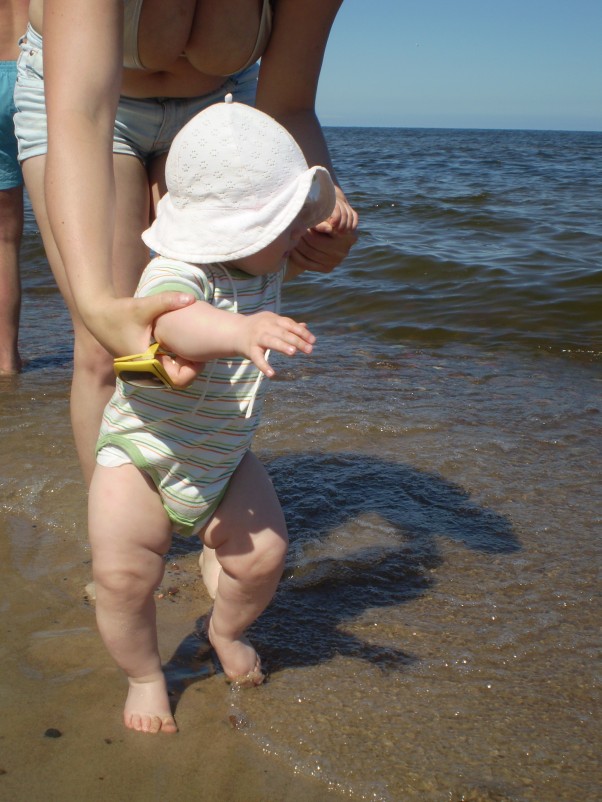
pixel 200 333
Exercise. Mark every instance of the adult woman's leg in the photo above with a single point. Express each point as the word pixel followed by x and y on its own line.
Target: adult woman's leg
pixel 249 535
pixel 93 376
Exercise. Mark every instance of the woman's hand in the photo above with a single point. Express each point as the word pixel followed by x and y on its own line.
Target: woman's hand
pixel 325 246
pixel 320 253
pixel 125 325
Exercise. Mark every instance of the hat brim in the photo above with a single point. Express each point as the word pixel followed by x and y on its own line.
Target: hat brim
pixel 202 235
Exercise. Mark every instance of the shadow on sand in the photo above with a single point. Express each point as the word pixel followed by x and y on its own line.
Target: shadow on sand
pixel 364 534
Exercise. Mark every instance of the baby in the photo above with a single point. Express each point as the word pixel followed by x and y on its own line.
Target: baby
pixel 240 196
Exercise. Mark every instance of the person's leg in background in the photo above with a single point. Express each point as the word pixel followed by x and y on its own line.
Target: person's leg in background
pixel 11 226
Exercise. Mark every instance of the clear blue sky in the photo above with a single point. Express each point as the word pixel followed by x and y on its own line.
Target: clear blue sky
pixel 465 64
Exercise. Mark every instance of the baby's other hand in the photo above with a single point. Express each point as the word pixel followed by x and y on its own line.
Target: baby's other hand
pixel 268 331
pixel 181 371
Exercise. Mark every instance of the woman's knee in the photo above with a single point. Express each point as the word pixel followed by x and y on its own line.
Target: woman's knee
pixel 11 214
pixel 91 360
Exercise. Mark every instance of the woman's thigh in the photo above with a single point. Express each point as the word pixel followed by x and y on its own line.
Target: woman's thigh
pixel 132 204
pixel 131 215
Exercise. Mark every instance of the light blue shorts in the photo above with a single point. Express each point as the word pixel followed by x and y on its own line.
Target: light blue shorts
pixel 143 127
pixel 10 172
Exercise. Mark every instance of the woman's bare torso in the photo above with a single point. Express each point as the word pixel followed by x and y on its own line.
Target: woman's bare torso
pixel 186 46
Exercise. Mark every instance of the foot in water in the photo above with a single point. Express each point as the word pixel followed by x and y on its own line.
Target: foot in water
pixel 239 659
pixel 10 362
pixel 147 706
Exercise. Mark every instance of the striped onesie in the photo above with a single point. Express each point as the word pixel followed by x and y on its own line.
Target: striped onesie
pixel 190 441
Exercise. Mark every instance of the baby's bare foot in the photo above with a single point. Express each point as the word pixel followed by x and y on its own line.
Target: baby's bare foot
pixel 239 659
pixel 147 705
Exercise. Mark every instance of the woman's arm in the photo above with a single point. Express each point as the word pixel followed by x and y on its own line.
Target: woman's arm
pixel 82 80
pixel 288 83
pixel 201 332
pixel 83 54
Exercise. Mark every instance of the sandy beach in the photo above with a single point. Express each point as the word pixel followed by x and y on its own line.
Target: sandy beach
pixel 62 736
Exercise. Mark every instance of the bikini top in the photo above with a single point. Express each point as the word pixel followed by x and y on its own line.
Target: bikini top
pixel 131 19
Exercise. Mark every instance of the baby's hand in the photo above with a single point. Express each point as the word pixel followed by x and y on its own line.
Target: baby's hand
pixel 343 218
pixel 268 331
pixel 181 371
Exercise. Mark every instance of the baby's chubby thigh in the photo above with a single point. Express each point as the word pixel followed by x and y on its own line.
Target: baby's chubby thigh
pixel 248 530
pixel 129 530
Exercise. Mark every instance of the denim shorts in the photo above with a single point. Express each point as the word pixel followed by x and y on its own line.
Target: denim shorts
pixel 10 172
pixel 144 127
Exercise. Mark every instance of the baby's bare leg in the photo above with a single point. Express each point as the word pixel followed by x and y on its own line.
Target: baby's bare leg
pixel 129 534
pixel 210 570
pixel 249 535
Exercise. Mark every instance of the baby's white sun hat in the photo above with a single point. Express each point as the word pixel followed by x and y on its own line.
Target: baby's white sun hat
pixel 236 179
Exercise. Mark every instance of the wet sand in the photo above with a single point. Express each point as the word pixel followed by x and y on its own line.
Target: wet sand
pixel 57 678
